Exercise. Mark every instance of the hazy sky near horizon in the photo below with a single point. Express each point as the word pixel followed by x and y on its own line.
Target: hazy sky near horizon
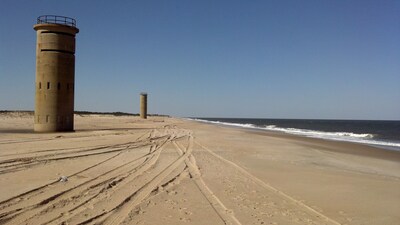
pixel 318 59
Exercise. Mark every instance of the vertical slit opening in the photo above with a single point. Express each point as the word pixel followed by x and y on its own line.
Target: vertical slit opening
pixel 58 86
pixel 48 85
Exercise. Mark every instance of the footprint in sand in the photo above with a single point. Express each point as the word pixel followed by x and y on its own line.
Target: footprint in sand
pixel 185 219
pixel 172 192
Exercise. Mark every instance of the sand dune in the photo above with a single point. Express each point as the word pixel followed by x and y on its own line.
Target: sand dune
pixel 124 170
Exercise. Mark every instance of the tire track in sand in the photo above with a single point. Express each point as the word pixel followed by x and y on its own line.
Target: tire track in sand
pixel 226 215
pixel 119 213
pixel 106 188
pixel 269 187
pixel 31 193
pixel 17 164
pixel 106 206
pixel 40 202
pixel 43 201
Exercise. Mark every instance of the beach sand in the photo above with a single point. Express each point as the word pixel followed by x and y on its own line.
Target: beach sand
pixel 125 170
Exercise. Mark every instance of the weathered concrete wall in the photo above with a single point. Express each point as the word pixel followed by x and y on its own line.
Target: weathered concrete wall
pixel 55 78
pixel 143 105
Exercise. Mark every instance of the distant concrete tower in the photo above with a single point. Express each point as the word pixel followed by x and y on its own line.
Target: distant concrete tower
pixel 55 73
pixel 143 105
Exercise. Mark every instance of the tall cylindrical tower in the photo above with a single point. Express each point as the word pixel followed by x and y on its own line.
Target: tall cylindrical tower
pixel 143 105
pixel 55 73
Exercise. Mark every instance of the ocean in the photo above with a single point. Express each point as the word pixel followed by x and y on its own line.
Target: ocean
pixel 384 134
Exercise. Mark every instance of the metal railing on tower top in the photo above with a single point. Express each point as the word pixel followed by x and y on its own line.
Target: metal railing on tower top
pixel 53 19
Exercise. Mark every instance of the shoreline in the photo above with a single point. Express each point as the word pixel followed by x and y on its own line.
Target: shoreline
pixel 345 147
pixel 391 147
pixel 369 149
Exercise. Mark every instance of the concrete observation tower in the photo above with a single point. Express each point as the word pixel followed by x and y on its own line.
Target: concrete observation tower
pixel 143 105
pixel 55 73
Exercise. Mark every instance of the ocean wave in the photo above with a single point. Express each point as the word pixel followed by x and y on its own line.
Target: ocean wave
pixel 245 125
pixel 318 133
pixel 337 136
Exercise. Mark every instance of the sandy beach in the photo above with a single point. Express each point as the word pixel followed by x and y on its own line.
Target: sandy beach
pixel 126 170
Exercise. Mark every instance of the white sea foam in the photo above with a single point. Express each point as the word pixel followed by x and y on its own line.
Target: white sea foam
pixel 315 133
pixel 337 136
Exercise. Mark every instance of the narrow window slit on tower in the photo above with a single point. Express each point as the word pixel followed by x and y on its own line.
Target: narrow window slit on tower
pixel 58 86
pixel 57 50
pixel 47 118
pixel 40 85
pixel 48 85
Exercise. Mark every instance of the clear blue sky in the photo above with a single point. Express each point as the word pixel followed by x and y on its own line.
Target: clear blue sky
pixel 265 59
